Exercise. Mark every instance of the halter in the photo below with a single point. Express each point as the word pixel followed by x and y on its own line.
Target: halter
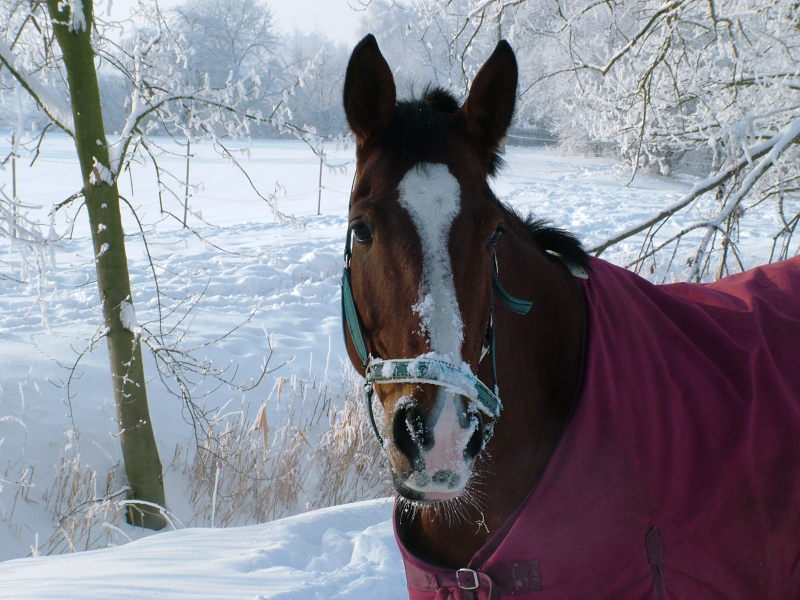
pixel 427 369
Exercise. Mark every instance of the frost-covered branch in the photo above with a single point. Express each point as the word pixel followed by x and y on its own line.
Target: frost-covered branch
pixel 778 145
pixel 667 86
pixel 59 111
pixel 773 148
pixel 645 31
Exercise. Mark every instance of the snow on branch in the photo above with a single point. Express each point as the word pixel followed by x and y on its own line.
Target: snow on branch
pixel 648 28
pixel 77 16
pixel 777 144
pixel 58 111
pixel 772 148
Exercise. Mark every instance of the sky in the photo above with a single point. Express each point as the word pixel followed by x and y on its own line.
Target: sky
pixel 338 19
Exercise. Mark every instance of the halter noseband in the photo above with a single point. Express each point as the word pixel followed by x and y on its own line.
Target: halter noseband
pixel 427 369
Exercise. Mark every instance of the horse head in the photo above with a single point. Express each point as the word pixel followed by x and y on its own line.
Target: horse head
pixel 424 226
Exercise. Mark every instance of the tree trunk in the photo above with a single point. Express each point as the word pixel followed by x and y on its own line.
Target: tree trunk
pixel 139 451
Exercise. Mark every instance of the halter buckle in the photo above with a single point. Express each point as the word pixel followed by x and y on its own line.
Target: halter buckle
pixel 467 579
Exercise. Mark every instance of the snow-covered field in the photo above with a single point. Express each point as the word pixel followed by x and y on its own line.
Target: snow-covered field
pixel 339 552
pixel 253 282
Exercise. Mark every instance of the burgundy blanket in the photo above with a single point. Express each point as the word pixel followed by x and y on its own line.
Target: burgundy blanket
pixel 679 474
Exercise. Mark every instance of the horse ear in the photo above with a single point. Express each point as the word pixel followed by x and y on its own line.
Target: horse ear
pixel 490 103
pixel 369 92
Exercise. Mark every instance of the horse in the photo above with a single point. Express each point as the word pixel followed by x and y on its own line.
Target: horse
pixel 556 426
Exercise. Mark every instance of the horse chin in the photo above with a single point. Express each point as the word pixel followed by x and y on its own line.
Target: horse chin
pixel 405 487
pixel 425 498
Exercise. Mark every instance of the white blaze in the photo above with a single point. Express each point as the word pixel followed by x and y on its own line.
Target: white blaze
pixel 432 197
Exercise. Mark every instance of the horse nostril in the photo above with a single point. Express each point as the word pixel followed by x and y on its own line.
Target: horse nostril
pixel 474 445
pixel 419 432
pixel 410 433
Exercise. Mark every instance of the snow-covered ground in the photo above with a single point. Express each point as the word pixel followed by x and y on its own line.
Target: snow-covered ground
pixel 339 552
pixel 254 282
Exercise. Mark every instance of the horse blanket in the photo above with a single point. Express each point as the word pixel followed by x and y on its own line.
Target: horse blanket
pixel 679 473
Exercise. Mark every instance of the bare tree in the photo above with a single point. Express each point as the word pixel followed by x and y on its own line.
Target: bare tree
pixel 716 81
pixel 52 50
pixel 226 39
pixel 70 25
pixel 662 83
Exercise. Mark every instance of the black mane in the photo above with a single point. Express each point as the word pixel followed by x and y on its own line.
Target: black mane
pixel 555 240
pixel 418 128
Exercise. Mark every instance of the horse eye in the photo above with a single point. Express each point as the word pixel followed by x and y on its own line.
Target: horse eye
pixel 495 237
pixel 362 233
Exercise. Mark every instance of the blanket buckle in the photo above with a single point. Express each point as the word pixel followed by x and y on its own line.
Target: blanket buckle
pixel 467 579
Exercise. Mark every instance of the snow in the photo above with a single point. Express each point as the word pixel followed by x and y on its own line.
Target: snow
pixel 255 283
pixel 127 315
pixel 340 552
pixel 77 18
pixel 100 173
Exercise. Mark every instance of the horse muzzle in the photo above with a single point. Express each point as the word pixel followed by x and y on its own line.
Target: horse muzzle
pixel 442 417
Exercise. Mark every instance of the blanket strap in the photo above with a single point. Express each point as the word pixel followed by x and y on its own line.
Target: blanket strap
pixel 509 578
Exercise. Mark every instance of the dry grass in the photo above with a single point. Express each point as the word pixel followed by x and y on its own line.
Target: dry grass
pixel 252 471
pixel 86 517
pixel 350 462
pixel 245 474
pixel 246 469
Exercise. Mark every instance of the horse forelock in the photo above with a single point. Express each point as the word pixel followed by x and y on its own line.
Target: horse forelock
pixel 424 130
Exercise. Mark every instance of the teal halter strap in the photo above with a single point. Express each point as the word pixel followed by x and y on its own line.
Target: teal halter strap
pixel 521 307
pixel 438 372
pixel 350 319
